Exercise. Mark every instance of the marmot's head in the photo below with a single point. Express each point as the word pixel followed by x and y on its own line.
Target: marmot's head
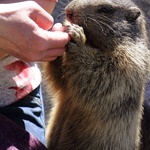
pixel 107 22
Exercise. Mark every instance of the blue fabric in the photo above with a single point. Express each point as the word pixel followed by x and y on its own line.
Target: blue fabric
pixel 29 114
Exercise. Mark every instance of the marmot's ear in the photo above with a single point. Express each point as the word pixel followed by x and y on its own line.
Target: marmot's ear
pixel 132 14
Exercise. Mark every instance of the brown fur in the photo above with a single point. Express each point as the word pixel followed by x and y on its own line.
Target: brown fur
pixel 97 85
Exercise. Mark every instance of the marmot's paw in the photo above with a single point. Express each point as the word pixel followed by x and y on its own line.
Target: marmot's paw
pixel 77 34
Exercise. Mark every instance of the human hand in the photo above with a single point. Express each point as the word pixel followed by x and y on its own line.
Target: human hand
pixel 24 32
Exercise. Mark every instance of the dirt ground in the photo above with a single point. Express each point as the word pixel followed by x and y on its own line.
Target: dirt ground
pixel 59 15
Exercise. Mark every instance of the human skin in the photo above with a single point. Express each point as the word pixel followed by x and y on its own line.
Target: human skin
pixel 24 31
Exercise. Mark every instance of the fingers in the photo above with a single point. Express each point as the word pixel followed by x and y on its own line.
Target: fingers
pixel 48 39
pixel 45 55
pixel 52 54
pixel 58 39
pixel 49 45
pixel 44 20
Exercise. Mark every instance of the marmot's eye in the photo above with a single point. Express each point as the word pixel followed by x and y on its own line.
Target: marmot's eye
pixel 105 9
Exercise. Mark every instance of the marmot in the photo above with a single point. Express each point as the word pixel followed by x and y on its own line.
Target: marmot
pixel 97 86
